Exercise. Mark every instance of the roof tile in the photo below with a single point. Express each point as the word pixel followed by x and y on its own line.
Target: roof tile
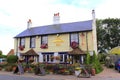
pixel 57 28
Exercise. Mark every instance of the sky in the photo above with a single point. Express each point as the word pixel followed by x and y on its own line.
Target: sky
pixel 14 15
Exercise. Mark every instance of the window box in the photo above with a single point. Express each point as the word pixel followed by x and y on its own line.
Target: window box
pixel 44 46
pixel 74 44
pixel 21 48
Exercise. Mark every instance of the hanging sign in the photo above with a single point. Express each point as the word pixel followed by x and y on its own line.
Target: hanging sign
pixel 58 41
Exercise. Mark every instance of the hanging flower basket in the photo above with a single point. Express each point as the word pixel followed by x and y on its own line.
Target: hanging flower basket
pixel 44 46
pixel 31 59
pixel 74 44
pixel 57 57
pixel 21 47
pixel 20 59
pixel 69 59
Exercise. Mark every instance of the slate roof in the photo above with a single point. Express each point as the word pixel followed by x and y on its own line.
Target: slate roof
pixel 11 52
pixel 57 28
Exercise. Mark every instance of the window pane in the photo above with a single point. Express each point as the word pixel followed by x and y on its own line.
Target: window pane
pixel 51 57
pixel 74 37
pixel 44 40
pixel 22 41
pixel 61 57
pixel 47 58
pixel 44 58
pixel 32 42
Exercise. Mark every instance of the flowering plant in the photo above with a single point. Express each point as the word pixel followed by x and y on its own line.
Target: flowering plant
pixel 74 44
pixel 21 47
pixel 69 59
pixel 31 59
pixel 44 46
pixel 56 57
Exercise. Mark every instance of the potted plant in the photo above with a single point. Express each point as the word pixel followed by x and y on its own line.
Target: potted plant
pixel 31 59
pixel 57 57
pixel 44 46
pixel 21 47
pixel 69 59
pixel 77 71
pixel 74 44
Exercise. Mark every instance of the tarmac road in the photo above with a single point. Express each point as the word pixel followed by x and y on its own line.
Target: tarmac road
pixel 19 77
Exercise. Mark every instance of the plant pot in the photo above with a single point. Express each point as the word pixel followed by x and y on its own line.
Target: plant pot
pixel 77 72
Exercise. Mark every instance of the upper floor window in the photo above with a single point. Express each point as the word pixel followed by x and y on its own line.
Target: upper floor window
pixel 74 40
pixel 74 37
pixel 44 39
pixel 44 42
pixel 22 42
pixel 32 42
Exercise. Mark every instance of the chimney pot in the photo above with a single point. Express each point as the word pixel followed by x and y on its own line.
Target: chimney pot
pixel 29 23
pixel 56 18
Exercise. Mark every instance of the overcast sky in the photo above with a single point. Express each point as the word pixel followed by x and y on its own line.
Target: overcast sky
pixel 14 14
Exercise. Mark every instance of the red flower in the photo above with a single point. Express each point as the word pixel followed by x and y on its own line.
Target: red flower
pixel 74 44
pixel 21 47
pixel 44 46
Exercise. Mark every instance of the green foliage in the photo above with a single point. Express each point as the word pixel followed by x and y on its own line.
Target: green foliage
pixel 12 59
pixel 3 56
pixel 108 34
pixel 87 60
pixel 101 57
pixel 94 57
pixel 93 62
pixel 96 64
pixel 0 52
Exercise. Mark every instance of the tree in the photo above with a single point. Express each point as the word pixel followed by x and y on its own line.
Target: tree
pixel 96 63
pixel 12 58
pixel 0 52
pixel 87 59
pixel 108 34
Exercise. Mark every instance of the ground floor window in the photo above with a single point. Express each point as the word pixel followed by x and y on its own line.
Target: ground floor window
pixel 47 57
pixel 64 57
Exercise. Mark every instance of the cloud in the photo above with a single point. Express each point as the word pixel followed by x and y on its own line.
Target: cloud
pixel 15 13
pixel 109 9
pixel 6 43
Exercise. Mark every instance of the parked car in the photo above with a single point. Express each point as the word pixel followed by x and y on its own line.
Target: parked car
pixel 117 65
pixel 2 60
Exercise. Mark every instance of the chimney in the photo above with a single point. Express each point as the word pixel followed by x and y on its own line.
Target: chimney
pixel 93 14
pixel 29 23
pixel 94 33
pixel 56 18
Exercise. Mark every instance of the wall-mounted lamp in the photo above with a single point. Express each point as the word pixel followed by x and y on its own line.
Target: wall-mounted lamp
pixel 57 35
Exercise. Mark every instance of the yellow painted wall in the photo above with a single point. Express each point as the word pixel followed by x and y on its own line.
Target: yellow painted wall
pixel 90 41
pixel 63 46
pixel 82 41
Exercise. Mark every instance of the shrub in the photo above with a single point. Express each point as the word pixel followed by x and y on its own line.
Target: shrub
pixel 12 59
pixel 96 63
pixel 2 56
pixel 87 60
